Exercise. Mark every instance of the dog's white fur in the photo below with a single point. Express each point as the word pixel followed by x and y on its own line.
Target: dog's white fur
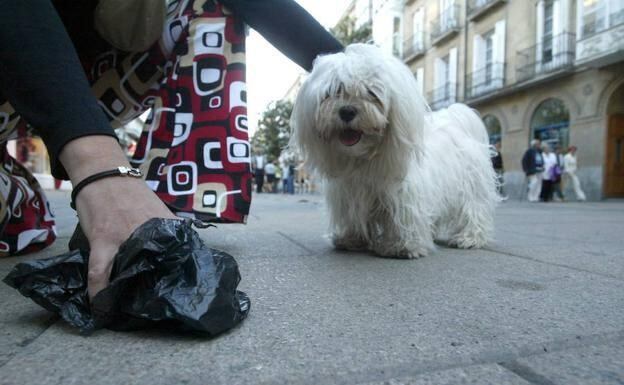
pixel 414 176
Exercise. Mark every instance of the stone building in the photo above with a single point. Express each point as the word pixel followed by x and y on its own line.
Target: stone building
pixel 548 69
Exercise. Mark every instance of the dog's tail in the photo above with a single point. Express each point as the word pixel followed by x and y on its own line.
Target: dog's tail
pixel 470 121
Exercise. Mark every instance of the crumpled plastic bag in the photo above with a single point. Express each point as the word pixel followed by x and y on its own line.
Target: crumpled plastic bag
pixel 163 276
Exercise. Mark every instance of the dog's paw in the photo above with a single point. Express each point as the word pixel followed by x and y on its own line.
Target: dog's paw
pixel 412 254
pixel 401 254
pixel 349 244
pixel 462 242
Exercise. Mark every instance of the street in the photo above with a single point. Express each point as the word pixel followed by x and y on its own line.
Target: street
pixel 542 304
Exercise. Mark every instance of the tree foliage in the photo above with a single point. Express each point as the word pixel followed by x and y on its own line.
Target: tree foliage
pixel 273 129
pixel 346 32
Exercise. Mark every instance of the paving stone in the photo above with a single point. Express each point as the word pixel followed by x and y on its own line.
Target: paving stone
pixel 324 317
pixel 600 364
pixel 478 375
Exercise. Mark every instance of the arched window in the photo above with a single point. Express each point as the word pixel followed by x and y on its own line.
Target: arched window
pixel 493 128
pixel 550 123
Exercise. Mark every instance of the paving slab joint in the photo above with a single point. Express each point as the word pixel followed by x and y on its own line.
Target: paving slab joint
pixel 526 373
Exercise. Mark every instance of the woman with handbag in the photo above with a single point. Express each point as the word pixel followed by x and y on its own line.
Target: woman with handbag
pixel 70 83
pixel 548 178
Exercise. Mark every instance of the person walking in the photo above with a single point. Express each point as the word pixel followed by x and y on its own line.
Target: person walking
pixel 533 166
pixel 258 171
pixel 548 177
pixel 497 164
pixel 557 174
pixel 570 167
pixel 269 171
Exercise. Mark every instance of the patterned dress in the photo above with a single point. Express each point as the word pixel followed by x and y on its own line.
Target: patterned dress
pixel 194 151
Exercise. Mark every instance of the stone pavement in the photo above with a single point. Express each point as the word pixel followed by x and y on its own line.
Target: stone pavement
pixel 543 304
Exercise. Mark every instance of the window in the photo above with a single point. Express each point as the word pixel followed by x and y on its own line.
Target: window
pixel 420 79
pixel 417 29
pixel 396 36
pixel 547 38
pixel 446 14
pixel 493 128
pixel 550 123
pixel 593 17
pixel 488 62
pixel 445 80
pixel 445 68
pixel 598 15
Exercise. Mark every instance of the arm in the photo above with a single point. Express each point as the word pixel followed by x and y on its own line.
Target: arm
pixel 288 27
pixel 42 78
pixel 525 162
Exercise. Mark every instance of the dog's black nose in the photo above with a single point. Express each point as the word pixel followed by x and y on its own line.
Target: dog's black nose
pixel 347 113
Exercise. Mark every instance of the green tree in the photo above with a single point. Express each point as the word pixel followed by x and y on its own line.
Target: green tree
pixel 346 32
pixel 273 129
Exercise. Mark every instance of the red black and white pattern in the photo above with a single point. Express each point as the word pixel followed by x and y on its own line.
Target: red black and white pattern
pixel 27 224
pixel 194 151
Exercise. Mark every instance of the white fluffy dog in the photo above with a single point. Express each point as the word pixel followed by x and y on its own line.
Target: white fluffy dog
pixel 397 176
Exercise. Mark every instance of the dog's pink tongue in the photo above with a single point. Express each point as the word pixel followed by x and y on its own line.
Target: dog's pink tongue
pixel 350 137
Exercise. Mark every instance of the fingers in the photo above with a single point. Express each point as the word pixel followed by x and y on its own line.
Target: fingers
pixel 100 265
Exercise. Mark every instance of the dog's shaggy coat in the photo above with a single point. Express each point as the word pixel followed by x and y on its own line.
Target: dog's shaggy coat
pixel 397 176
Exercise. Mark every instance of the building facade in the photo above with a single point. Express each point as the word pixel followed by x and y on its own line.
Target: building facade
pixel 547 69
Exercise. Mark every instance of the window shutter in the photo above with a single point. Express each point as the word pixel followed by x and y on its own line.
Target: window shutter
pixel 452 74
pixel 478 64
pixel 539 31
pixel 437 72
pixel 478 53
pixel 417 29
pixel 498 71
pixel 420 77
pixel 557 21
pixel 421 30
pixel 556 32
pixel 438 79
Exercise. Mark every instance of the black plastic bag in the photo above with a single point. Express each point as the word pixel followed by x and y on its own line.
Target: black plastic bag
pixel 163 276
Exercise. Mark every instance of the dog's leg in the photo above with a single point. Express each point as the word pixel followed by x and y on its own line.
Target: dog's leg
pixel 403 235
pixel 476 224
pixel 349 241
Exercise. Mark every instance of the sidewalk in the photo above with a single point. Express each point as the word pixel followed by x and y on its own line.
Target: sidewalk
pixel 543 304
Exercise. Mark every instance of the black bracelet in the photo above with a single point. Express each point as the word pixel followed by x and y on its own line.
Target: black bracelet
pixel 119 171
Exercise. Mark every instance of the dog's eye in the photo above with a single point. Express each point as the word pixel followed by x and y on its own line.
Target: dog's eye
pixel 374 96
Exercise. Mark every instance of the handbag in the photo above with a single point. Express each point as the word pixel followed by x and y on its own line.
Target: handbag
pixel 556 172
pixel 130 25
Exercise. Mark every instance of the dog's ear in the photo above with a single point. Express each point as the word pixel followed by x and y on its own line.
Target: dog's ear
pixel 303 138
pixel 407 108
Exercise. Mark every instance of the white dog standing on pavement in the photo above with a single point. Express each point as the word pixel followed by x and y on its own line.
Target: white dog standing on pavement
pixel 397 176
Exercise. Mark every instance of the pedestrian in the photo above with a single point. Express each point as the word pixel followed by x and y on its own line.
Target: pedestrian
pixel 533 166
pixel 269 171
pixel 284 167
pixel 278 179
pixel 548 178
pixel 497 164
pixel 258 170
pixel 73 86
pixel 570 168
pixel 557 175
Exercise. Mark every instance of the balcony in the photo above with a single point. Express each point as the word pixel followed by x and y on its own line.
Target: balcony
pixel 445 25
pixel 548 57
pixel 477 8
pixel 485 81
pixel 414 46
pixel 444 96
pixel 601 42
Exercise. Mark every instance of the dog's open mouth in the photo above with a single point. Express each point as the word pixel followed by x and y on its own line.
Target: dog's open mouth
pixel 350 137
